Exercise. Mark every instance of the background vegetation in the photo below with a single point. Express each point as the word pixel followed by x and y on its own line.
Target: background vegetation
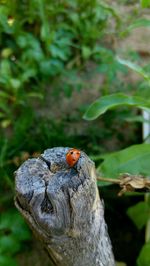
pixel 56 58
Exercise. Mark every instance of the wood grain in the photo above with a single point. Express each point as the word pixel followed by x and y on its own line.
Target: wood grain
pixel 63 209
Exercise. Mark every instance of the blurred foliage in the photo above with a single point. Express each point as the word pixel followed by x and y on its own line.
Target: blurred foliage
pixel 135 211
pixel 46 43
pixel 144 258
pixel 50 50
pixel 13 231
pixel 145 3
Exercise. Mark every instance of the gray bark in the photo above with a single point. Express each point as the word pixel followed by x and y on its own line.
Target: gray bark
pixel 63 209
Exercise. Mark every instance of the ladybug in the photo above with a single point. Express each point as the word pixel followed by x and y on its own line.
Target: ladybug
pixel 72 157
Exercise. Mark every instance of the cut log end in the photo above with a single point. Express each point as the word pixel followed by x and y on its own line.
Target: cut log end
pixel 63 208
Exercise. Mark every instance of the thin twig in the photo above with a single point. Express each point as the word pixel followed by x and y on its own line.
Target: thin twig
pixel 116 181
pixel 128 182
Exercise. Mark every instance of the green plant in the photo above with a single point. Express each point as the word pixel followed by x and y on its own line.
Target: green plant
pixel 13 233
pixel 41 44
pixel 38 40
pixel 145 3
pixel 51 50
pixel 134 159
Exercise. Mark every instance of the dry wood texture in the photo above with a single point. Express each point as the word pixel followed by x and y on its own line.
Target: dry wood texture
pixel 63 209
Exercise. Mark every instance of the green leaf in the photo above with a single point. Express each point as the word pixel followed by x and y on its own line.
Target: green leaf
pixel 58 52
pixel 145 3
pixel 67 90
pixel 74 17
pixel 15 83
pixel 134 67
pixel 27 74
pixel 9 245
pixel 133 160
pixel 86 52
pixel 144 257
pixel 4 20
pixel 136 118
pixel 5 123
pixel 35 95
pixel 112 10
pixel 120 263
pixel 4 94
pixel 4 107
pixel 45 31
pixel 2 115
pixel 7 261
pixel 108 102
pixel 51 67
pixel 5 68
pixel 143 22
pixel 6 52
pixel 22 41
pixel 139 23
pixel 12 221
pixel 139 214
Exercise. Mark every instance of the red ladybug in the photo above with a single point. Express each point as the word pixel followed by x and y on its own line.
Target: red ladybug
pixel 72 157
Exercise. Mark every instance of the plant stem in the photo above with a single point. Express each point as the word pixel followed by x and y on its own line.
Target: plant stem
pixel 147 228
pixel 116 181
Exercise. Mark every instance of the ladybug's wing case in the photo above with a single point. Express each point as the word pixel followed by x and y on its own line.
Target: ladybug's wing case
pixel 72 157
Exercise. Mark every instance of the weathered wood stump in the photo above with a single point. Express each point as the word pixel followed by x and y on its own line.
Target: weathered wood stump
pixel 63 209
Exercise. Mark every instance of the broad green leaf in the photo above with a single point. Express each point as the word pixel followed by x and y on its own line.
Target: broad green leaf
pixel 134 67
pixel 145 3
pixel 135 211
pixel 108 102
pixel 133 160
pixel 144 257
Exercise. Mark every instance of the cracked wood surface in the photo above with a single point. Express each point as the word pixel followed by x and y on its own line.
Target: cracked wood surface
pixel 63 209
